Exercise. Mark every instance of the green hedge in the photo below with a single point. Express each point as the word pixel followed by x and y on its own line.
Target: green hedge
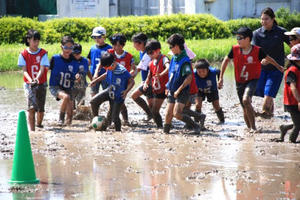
pixel 198 26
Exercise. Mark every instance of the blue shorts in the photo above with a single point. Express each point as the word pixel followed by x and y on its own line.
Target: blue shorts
pixel 268 83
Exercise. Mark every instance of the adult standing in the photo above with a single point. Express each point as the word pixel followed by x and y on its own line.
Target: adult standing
pixel 270 37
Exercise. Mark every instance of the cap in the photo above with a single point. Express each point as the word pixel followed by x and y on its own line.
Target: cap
pixel 295 53
pixel 244 31
pixel 295 31
pixel 98 31
pixel 77 48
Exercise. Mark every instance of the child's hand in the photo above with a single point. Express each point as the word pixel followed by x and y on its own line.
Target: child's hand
pixel 93 83
pixel 220 84
pixel 145 86
pixel 176 94
pixel 124 94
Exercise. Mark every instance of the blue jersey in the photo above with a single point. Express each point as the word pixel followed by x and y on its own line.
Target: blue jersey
pixel 175 77
pixel 95 56
pixel 209 83
pixel 144 73
pixel 62 72
pixel 83 67
pixel 117 81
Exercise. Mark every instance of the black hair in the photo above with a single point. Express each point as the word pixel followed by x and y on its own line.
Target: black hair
pixel 118 37
pixel 202 64
pixel 139 38
pixel 268 11
pixel 152 45
pixel 77 48
pixel 32 34
pixel 176 39
pixel 66 39
pixel 107 59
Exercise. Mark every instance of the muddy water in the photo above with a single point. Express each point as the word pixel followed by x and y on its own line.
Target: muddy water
pixel 224 162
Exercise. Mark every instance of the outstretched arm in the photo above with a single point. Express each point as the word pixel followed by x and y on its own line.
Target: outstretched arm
pixel 223 69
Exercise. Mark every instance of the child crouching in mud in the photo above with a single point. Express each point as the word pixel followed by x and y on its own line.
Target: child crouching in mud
pixel 292 95
pixel 119 83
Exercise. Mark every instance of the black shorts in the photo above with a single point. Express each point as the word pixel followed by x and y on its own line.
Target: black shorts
pixel 211 97
pixel 148 93
pixel 183 97
pixel 241 88
pixel 160 96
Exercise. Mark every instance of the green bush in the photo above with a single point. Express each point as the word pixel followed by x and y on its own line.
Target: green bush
pixel 235 24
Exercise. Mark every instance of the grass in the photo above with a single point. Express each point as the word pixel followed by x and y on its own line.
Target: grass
pixel 213 50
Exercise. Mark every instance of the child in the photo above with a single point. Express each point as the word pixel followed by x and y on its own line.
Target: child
pixel 156 81
pixel 292 95
pixel 294 36
pixel 94 56
pixel 118 42
pixel 180 77
pixel 120 83
pixel 206 80
pixel 83 70
pixel 247 66
pixel 139 41
pixel 63 71
pixel 34 62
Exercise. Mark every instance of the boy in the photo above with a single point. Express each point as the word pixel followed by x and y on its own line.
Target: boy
pixel 34 62
pixel 120 83
pixel 118 42
pixel 206 80
pixel 139 41
pixel 247 67
pixel 94 56
pixel 63 71
pixel 80 83
pixel 180 77
pixel 155 80
pixel 292 95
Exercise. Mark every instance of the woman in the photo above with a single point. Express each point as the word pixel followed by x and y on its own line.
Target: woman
pixel 270 37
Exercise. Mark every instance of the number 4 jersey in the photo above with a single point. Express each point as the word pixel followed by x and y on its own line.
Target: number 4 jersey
pixel 33 62
pixel 63 72
pixel 247 66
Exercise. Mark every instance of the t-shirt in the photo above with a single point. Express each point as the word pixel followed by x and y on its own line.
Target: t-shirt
pixel 261 54
pixel 95 56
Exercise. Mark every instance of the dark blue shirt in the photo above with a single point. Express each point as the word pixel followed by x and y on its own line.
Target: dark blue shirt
pixel 272 42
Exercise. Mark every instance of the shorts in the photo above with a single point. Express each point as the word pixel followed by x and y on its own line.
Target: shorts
pixel 54 90
pixel 95 88
pixel 211 97
pixel 148 93
pixel 268 83
pixel 241 87
pixel 160 96
pixel 36 96
pixel 183 97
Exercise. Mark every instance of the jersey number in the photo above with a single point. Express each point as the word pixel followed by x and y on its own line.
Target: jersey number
pixel 244 74
pixel 65 79
pixel 34 71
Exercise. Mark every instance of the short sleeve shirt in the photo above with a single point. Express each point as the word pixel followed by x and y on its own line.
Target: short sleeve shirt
pixel 261 54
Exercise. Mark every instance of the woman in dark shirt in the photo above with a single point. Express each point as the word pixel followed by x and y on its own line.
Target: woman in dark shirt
pixel 270 37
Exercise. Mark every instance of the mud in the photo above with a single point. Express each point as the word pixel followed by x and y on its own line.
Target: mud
pixel 223 162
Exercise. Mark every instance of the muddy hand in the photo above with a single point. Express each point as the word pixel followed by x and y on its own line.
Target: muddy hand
pixel 220 84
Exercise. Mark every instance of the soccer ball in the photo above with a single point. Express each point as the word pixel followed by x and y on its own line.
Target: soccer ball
pixel 97 122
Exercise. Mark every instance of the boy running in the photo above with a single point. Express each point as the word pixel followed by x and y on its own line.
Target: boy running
pixel 94 56
pixel 155 80
pixel 139 41
pixel 124 58
pixel 206 80
pixel 247 67
pixel 34 62
pixel 180 77
pixel 63 71
pixel 120 83
pixel 80 83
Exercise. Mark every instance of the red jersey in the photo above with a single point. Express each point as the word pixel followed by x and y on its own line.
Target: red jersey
pixel 246 67
pixel 125 60
pixel 33 65
pixel 158 83
pixel 193 85
pixel 289 98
